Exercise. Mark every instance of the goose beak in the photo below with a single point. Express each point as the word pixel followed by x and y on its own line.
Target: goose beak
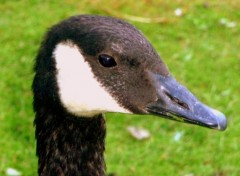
pixel 175 102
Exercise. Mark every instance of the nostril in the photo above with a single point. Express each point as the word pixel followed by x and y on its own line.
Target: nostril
pixel 177 101
pixel 184 105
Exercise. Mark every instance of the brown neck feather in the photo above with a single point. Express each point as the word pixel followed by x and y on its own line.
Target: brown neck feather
pixel 69 146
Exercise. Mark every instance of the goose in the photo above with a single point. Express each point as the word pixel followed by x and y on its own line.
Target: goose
pixel 88 65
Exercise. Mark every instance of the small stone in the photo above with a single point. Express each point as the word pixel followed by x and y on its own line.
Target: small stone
pixel 178 135
pixel 178 12
pixel 138 133
pixel 227 23
pixel 12 172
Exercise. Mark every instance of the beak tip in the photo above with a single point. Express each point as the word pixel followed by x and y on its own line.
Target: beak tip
pixel 222 123
pixel 221 119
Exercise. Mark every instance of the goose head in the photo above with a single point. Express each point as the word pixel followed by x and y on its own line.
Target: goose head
pixel 103 64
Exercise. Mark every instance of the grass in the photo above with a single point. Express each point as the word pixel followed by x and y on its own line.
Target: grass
pixel 200 52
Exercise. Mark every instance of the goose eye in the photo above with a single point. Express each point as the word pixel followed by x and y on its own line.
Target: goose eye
pixel 106 60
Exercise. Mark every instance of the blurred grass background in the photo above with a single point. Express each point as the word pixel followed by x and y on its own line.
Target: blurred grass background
pixel 201 48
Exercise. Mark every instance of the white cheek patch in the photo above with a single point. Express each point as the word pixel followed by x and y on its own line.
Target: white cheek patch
pixel 79 90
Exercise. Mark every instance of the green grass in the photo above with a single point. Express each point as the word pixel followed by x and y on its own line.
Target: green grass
pixel 201 54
